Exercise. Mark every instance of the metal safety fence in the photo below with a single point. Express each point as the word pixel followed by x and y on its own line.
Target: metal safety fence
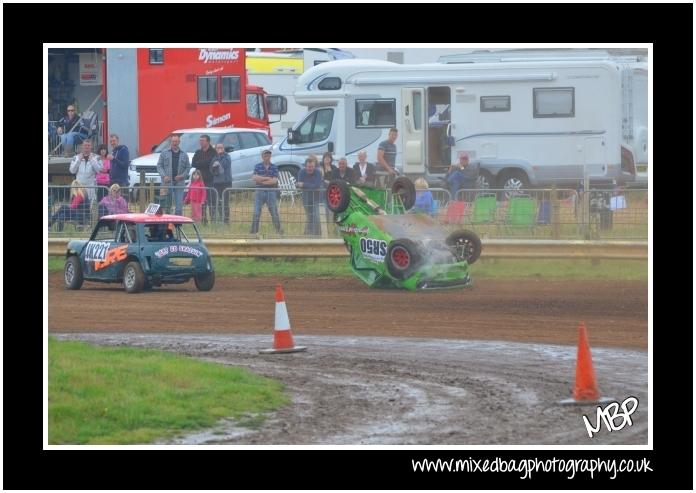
pixel 281 213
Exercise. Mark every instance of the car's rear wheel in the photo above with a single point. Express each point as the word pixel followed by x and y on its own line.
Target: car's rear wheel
pixel 405 190
pixel 466 245
pixel 403 258
pixel 73 273
pixel 337 195
pixel 204 282
pixel 133 278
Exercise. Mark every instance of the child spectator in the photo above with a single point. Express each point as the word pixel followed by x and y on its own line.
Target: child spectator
pixel 196 196
pixel 78 210
pixel 424 197
pixel 113 203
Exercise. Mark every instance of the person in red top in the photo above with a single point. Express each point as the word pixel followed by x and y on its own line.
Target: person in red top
pixel 196 196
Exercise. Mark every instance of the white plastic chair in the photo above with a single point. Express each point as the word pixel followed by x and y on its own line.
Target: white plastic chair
pixel 286 184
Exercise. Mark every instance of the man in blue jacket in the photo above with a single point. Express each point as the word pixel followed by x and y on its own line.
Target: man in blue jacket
pixel 120 160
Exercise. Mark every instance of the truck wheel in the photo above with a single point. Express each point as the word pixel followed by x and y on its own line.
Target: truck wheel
pixel 204 282
pixel 133 278
pixel 73 273
pixel 466 245
pixel 485 180
pixel 402 258
pixel 404 188
pixel 513 182
pixel 337 195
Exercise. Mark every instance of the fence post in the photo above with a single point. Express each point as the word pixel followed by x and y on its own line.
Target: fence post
pixel 555 214
pixel 141 192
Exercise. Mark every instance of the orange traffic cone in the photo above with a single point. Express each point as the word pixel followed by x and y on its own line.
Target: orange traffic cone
pixel 585 391
pixel 282 336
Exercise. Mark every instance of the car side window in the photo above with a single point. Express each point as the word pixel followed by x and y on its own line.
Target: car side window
pixel 231 140
pixel 248 140
pixel 105 231
pixel 262 139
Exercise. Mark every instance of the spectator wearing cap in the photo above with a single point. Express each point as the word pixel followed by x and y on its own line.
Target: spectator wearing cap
pixel 266 178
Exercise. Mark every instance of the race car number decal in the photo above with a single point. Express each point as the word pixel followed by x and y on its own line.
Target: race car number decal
pixel 112 256
pixel 373 249
pixel 96 250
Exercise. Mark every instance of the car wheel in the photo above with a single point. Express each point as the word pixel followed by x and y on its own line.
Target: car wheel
pixel 404 188
pixel 484 181
pixel 403 258
pixel 337 195
pixel 73 273
pixel 133 278
pixel 204 282
pixel 513 182
pixel 466 245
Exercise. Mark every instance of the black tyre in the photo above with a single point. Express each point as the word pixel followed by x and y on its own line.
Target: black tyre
pixel 204 282
pixel 337 195
pixel 404 188
pixel 403 258
pixel 73 273
pixel 133 278
pixel 466 245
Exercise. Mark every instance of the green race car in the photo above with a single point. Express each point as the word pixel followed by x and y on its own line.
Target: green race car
pixel 390 246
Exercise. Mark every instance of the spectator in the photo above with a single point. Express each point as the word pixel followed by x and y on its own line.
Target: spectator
pixel 85 167
pixel 424 197
pixel 343 172
pixel 120 160
pixel 310 181
pixel 463 176
pixel 266 178
pixel 68 128
pixel 386 154
pixel 113 203
pixel 103 177
pixel 173 166
pixel 327 168
pixel 196 196
pixel 222 179
pixel 203 161
pixel 78 210
pixel 364 171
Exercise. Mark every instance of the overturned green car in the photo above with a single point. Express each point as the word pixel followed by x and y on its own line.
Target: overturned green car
pixel 390 246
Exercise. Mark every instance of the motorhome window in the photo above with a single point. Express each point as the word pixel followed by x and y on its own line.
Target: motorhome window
pixel 495 103
pixel 254 106
pixel 207 90
pixel 377 113
pixel 554 102
pixel 156 56
pixel 316 127
pixel 330 84
pixel 417 111
pixel 230 89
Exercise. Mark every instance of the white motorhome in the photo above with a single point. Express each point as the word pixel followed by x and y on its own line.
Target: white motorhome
pixel 526 123
pixel 634 85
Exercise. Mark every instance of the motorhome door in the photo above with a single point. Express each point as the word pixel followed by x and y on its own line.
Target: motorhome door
pixel 413 133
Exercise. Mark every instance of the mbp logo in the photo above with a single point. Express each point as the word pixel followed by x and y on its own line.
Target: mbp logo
pixel 373 249
pixel 609 415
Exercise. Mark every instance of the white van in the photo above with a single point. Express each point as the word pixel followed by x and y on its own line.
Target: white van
pixel 526 123
pixel 244 146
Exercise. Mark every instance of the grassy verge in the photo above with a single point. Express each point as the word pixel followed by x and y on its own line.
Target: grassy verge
pixel 483 269
pixel 124 396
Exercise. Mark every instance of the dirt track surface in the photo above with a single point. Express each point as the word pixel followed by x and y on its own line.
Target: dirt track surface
pixel 616 313
pixel 480 366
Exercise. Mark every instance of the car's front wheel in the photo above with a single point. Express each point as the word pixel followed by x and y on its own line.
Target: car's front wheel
pixel 403 258
pixel 204 282
pixel 133 278
pixel 337 195
pixel 73 273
